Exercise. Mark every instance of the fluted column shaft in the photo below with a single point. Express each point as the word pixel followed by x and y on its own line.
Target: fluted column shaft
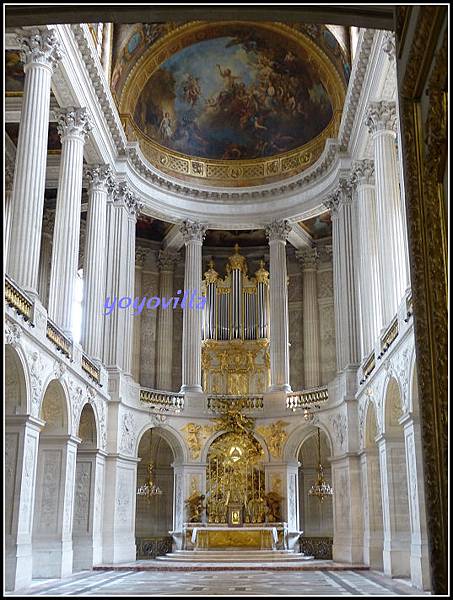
pixel 9 176
pixel 44 268
pixel 73 127
pixel 308 258
pixel 122 211
pixel 164 356
pixel 193 234
pixel 381 120
pixel 40 52
pixel 369 277
pixel 277 234
pixel 94 261
pixel 345 281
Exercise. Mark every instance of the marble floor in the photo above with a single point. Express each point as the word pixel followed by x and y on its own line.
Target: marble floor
pixel 218 583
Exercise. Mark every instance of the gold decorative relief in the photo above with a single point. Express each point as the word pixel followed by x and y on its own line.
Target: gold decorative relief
pixel 275 436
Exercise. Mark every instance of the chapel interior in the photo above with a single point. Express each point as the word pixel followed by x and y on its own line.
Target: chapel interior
pixel 288 167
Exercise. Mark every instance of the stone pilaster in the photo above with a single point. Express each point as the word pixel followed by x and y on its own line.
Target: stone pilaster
pixel 381 121
pixel 164 357
pixel 372 509
pixel 193 234
pixel 312 373
pixel 40 52
pixel 369 273
pixel 140 257
pixel 9 178
pixel 122 211
pixel 94 265
pixel 277 234
pixel 74 125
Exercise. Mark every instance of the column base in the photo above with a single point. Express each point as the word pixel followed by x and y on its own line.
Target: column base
pixel 285 387
pixel 18 566
pixel 195 389
pixel 396 563
pixel 52 558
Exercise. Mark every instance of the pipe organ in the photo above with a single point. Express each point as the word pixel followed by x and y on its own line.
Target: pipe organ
pixel 235 348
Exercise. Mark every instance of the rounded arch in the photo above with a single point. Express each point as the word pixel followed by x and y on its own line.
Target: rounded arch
pixel 370 426
pixel 87 427
pixel 171 436
pixel 392 404
pixel 299 435
pixel 212 438
pixel 55 408
pixel 97 421
pixel 17 386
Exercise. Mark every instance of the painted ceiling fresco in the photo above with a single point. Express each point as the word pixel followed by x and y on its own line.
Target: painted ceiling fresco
pixel 243 95
pixel 318 227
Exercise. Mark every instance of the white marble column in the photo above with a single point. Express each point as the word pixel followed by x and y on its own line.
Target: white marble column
pixel 21 452
pixel 122 211
pixel 395 507
pixel 345 277
pixel 381 121
pixel 94 264
pixel 9 178
pixel 106 51
pixel 54 502
pixel 277 234
pixel 312 371
pixel 164 356
pixel 369 273
pixel 74 125
pixel 40 52
pixel 193 234
pixel 372 509
pixel 419 558
pixel 140 257
pixel 45 259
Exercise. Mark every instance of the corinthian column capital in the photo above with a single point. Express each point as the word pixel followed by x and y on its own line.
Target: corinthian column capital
pixel 278 231
pixel 122 196
pixel 308 258
pixel 381 116
pixel 98 177
pixel 193 231
pixel 167 259
pixel 363 172
pixel 73 122
pixel 39 46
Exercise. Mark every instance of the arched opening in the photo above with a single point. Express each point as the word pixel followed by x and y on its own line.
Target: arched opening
pixel 52 523
pixel 89 486
pixel 21 442
pixel 373 536
pixel 315 516
pixel 394 489
pixel 154 515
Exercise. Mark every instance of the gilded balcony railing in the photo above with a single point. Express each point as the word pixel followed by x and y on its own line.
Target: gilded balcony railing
pixel 307 399
pixel 368 366
pixel 389 336
pixel 89 367
pixel 57 337
pixel 17 299
pixel 248 402
pixel 162 400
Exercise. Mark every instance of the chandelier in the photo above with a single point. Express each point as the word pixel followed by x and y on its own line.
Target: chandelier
pixel 149 489
pixel 320 488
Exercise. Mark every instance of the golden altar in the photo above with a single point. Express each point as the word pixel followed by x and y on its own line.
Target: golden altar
pixel 207 536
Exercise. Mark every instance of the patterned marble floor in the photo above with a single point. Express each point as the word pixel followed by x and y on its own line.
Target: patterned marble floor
pixel 245 583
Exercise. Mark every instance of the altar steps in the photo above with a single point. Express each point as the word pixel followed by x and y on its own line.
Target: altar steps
pixel 239 555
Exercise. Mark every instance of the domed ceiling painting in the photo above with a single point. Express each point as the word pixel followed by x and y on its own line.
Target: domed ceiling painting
pixel 232 103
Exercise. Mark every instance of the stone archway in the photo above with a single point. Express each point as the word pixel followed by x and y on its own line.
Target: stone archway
pixel 52 525
pixel 315 517
pixel 89 491
pixel 21 447
pixel 373 536
pixel 154 518
pixel 394 488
